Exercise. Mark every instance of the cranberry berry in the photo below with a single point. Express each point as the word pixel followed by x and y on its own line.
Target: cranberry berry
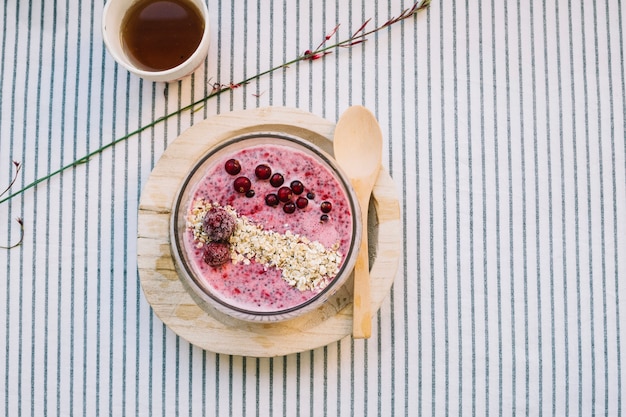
pixel 263 172
pixel 302 202
pixel 326 206
pixel 277 180
pixel 271 200
pixel 242 185
pixel 289 207
pixel 232 166
pixel 284 194
pixel 297 187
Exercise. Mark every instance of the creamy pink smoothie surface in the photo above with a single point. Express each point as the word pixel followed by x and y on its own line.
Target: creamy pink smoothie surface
pixel 250 284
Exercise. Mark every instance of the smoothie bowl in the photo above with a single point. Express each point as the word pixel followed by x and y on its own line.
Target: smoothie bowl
pixel 265 228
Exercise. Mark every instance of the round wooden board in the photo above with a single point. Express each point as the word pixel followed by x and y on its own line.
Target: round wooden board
pixel 210 329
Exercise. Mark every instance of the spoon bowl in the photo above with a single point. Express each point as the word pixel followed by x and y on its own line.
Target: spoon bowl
pixel 357 144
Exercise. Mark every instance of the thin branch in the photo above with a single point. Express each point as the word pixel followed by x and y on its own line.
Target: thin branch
pixel 20 221
pixel 18 167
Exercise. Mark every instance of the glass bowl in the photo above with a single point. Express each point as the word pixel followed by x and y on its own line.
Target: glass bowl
pixel 254 248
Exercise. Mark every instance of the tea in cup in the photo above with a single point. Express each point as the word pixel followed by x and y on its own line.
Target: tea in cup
pixel 158 40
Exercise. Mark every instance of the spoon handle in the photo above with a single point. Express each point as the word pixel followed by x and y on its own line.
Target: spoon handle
pixel 362 314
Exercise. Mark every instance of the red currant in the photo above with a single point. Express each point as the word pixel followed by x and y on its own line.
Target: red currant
pixel 271 200
pixel 302 202
pixel 232 166
pixel 297 187
pixel 284 194
pixel 289 207
pixel 326 206
pixel 242 184
pixel 277 180
pixel 263 172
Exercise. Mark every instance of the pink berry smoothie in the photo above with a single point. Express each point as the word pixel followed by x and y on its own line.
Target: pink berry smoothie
pixel 321 213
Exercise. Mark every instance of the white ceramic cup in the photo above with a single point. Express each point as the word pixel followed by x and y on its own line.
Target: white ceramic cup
pixel 112 18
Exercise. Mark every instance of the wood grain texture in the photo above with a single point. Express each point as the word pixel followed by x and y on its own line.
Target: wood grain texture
pixel 214 331
pixel 358 146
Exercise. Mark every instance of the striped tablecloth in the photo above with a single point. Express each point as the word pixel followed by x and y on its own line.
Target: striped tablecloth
pixel 504 126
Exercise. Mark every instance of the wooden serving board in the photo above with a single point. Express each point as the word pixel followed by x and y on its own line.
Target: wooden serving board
pixel 217 332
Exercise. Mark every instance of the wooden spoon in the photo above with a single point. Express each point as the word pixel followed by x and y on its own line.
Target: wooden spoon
pixel 358 147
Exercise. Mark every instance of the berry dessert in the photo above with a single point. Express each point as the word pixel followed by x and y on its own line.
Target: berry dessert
pixel 268 227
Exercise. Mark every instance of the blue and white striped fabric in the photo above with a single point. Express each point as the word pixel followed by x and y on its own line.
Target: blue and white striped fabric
pixel 505 132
